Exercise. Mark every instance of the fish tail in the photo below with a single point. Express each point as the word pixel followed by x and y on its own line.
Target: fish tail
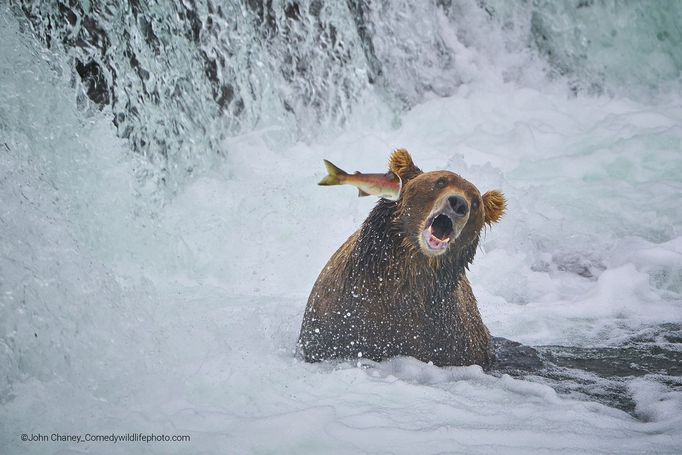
pixel 334 174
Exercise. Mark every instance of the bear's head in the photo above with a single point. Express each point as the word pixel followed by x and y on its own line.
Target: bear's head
pixel 440 213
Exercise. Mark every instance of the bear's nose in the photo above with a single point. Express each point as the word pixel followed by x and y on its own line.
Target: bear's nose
pixel 459 205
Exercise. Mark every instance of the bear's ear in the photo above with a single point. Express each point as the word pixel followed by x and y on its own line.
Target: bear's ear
pixel 402 165
pixel 494 206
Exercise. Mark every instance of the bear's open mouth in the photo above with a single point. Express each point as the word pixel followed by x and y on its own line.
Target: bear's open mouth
pixel 439 232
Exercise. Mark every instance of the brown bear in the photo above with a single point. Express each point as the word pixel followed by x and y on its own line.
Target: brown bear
pixel 398 285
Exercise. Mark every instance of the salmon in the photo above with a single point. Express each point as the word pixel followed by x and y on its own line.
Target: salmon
pixel 386 185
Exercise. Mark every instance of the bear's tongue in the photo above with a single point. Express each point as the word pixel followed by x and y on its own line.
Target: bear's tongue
pixel 436 243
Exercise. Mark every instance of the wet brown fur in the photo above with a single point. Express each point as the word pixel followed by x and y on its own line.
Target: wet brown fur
pixel 380 296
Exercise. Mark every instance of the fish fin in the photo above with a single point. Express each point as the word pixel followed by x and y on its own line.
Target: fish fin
pixel 362 193
pixel 334 173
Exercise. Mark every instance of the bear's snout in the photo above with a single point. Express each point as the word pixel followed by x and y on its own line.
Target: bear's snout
pixel 459 206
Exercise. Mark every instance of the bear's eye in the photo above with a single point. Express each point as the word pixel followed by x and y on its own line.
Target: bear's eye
pixel 441 183
pixel 474 204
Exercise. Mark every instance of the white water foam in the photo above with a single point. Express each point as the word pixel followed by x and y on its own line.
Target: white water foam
pixel 185 322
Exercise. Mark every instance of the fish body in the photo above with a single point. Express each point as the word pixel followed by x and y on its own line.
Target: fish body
pixel 386 185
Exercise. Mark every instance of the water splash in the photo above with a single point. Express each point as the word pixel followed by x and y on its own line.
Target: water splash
pixel 180 77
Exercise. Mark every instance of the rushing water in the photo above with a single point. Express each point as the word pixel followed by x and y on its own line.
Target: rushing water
pixel 181 76
pixel 160 225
